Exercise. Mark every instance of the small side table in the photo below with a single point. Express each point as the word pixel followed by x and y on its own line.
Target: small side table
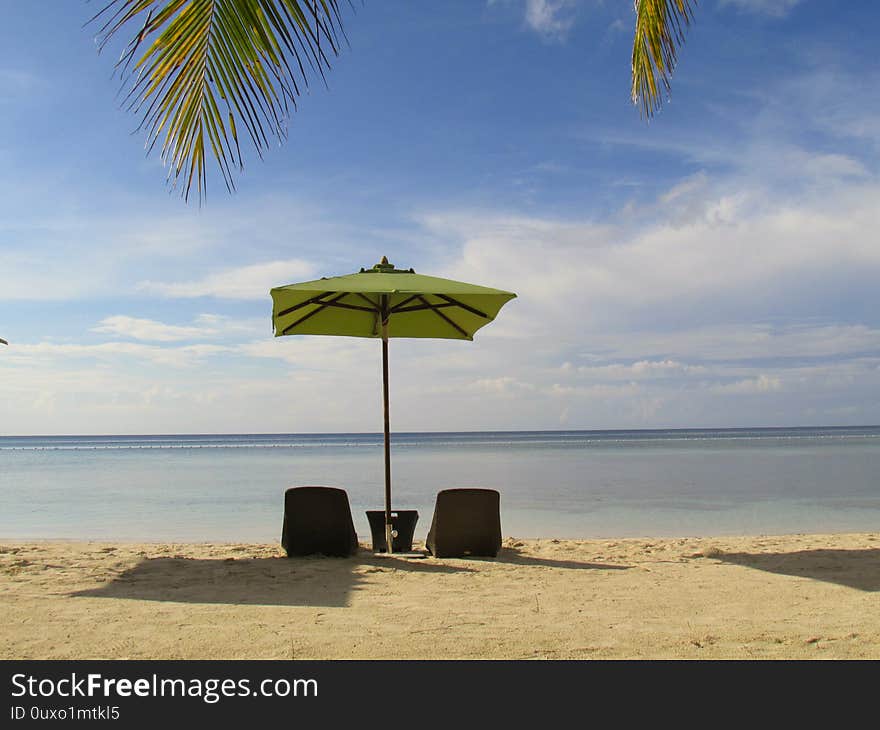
pixel 402 520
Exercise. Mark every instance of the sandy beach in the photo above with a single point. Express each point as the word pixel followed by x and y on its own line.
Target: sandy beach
pixel 768 597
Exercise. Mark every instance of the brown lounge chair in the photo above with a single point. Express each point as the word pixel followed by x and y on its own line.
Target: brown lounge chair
pixel 318 520
pixel 465 522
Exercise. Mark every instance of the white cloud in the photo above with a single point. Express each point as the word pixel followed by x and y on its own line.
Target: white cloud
pixel 205 326
pixel 51 354
pixel 721 298
pixel 244 282
pixel 760 384
pixel 55 249
pixel 841 105
pixel 552 19
pixel 723 259
pixel 775 8
pixel 742 342
pixel 833 166
pixel 225 327
pixel 149 329
pixel 313 353
pixel 54 256
pixel 504 385
pixel 642 369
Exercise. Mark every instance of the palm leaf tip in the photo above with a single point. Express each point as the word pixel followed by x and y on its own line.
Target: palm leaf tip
pixel 200 73
pixel 659 33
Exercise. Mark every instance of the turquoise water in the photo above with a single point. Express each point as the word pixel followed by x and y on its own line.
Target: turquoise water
pixel 552 483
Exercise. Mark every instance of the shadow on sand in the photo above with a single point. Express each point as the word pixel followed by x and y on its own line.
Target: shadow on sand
pixel 513 556
pixel 274 581
pixel 858 569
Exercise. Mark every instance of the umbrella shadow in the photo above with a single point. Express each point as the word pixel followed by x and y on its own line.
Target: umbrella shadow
pixel 859 569
pixel 272 581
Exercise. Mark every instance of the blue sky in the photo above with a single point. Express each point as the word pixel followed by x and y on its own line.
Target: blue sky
pixel 716 267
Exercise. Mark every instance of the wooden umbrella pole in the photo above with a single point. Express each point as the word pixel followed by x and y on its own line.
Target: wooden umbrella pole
pixel 388 529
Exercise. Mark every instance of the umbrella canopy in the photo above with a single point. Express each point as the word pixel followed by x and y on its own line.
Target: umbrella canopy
pixel 384 302
pixel 413 305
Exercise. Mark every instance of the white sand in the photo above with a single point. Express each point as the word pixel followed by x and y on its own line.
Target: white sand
pixel 797 596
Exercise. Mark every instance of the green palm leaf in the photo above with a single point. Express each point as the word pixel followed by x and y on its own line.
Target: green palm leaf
pixel 197 71
pixel 660 27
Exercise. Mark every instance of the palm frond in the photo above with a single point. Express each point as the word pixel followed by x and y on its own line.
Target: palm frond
pixel 198 71
pixel 660 29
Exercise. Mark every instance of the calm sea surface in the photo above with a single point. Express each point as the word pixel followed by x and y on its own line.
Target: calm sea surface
pixel 552 483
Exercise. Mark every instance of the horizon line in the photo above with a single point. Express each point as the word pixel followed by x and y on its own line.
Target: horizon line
pixel 419 433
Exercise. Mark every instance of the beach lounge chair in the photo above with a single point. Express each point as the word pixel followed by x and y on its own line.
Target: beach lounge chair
pixel 318 520
pixel 465 522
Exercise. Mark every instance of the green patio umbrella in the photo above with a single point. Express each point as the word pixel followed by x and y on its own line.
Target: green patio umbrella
pixel 384 302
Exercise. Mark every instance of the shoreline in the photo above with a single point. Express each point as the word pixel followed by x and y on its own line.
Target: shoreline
pixel 364 544
pixel 728 597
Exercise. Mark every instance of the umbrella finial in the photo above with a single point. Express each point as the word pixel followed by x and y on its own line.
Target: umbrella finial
pixel 385 267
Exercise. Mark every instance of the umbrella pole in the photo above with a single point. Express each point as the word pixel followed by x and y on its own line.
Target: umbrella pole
pixel 388 528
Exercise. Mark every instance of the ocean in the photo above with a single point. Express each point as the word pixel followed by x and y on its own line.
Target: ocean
pixel 562 484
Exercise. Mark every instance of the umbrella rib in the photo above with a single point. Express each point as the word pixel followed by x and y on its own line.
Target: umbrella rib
pixel 397 307
pixel 421 307
pixel 465 307
pixel 313 300
pixel 347 306
pixel 375 307
pixel 443 316
pixel 376 310
pixel 323 306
